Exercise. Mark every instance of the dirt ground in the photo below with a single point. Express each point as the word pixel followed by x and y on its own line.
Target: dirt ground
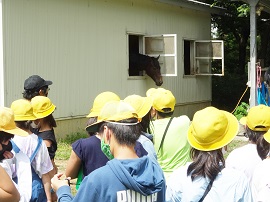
pixel 61 164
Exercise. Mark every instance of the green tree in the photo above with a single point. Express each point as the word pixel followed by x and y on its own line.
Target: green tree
pixel 234 29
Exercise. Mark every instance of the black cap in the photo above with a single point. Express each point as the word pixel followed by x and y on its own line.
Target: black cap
pixel 35 82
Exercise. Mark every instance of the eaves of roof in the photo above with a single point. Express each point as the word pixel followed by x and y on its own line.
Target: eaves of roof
pixel 195 5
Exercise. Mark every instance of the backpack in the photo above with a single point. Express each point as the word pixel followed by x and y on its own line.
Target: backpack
pixel 38 192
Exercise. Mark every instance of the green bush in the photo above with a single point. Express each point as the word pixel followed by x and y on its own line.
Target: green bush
pixel 64 144
pixel 241 110
pixel 63 151
pixel 72 137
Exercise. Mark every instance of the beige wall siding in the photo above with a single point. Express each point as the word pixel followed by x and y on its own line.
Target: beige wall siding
pixel 82 47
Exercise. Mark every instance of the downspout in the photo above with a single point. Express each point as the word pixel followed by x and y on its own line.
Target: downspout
pixel 253 53
pixel 2 89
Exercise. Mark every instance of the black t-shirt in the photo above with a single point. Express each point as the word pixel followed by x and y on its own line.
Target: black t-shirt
pixel 48 135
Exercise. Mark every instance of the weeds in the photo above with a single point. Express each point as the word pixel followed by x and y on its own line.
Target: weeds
pixel 64 145
pixel 72 137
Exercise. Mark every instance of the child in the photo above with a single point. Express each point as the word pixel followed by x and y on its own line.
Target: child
pixel 41 163
pixel 43 109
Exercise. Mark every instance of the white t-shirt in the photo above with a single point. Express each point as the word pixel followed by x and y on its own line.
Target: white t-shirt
pixel 19 166
pixel 41 163
pixel 244 159
pixel 260 185
pixel 229 185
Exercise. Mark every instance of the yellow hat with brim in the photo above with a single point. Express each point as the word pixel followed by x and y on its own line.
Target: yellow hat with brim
pixel 152 91
pixel 42 106
pixel 258 118
pixel 113 111
pixel 142 105
pixel 100 101
pixel 7 123
pixel 212 129
pixel 163 100
pixel 23 110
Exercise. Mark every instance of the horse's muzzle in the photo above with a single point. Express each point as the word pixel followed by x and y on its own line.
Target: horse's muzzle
pixel 159 83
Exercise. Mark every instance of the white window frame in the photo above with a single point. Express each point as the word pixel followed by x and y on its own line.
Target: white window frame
pixel 164 54
pixel 197 58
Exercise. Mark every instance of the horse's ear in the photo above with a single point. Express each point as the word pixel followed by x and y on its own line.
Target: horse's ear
pixel 158 57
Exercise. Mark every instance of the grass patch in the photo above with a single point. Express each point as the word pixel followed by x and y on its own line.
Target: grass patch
pixel 64 145
pixel 72 137
pixel 63 153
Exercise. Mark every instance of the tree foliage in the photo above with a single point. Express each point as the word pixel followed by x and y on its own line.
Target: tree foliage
pixel 235 26
pixel 234 29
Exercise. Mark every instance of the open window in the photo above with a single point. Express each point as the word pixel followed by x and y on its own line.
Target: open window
pixel 135 45
pixel 163 46
pixel 204 57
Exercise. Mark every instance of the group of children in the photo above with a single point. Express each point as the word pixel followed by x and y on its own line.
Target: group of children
pixel 29 162
pixel 136 151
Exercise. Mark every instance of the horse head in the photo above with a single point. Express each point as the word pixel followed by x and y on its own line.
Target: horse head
pixel 153 70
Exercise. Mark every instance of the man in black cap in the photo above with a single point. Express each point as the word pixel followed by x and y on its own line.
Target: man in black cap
pixel 35 85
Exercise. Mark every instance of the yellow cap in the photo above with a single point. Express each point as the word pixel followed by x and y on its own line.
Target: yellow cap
pixel 162 99
pixel 151 91
pixel 212 129
pixel 7 123
pixel 23 110
pixel 100 101
pixel 142 105
pixel 258 118
pixel 42 106
pixel 113 111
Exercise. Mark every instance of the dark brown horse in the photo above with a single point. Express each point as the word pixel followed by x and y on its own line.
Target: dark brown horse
pixel 139 62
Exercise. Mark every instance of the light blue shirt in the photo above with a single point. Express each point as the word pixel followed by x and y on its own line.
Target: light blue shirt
pixel 148 146
pixel 230 185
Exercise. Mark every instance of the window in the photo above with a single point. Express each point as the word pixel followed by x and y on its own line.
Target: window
pixel 134 43
pixel 204 57
pixel 163 46
pixel 189 57
pixel 135 46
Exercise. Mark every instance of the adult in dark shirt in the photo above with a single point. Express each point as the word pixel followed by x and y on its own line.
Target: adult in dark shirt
pixel 35 85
